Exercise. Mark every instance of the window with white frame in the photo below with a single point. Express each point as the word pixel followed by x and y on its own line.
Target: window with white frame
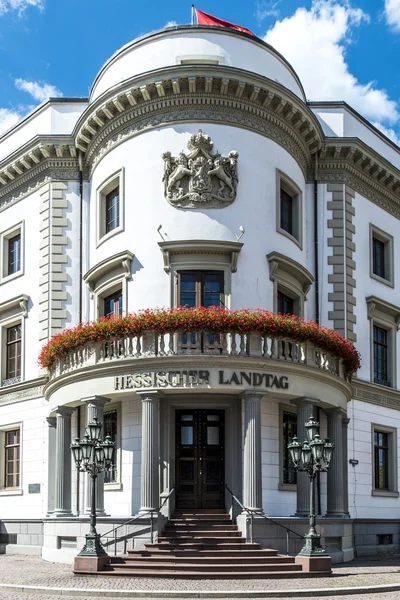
pixel 291 282
pixel 384 461
pixel 110 207
pixel 384 322
pixel 12 319
pixel 11 250
pixel 381 256
pixel 288 208
pixel 10 459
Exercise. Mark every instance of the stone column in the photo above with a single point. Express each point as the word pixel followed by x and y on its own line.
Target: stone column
pixel 150 495
pixel 95 408
pixel 252 475
pixel 345 423
pixel 51 474
pixel 335 493
pixel 62 500
pixel 305 410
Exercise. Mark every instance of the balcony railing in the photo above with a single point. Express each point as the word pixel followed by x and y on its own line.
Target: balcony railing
pixel 166 345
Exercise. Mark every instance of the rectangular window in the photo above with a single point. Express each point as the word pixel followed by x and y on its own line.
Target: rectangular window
pixel 380 345
pixel 112 210
pixel 14 254
pixel 381 460
pixel 13 352
pixel 113 305
pixel 110 428
pixel 378 254
pixel 285 304
pixel 286 211
pixel 289 424
pixel 200 288
pixel 12 458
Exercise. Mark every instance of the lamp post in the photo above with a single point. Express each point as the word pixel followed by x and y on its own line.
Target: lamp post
pixel 92 455
pixel 312 456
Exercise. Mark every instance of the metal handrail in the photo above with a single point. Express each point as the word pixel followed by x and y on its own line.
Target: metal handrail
pixel 259 514
pixel 137 518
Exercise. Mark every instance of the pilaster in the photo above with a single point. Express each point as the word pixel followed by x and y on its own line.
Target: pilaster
pixel 335 487
pixel 62 498
pixel 51 465
pixel 150 496
pixel 252 475
pixel 345 424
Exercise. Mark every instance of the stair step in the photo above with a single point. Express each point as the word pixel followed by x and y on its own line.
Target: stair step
pixel 214 553
pixel 213 575
pixel 220 568
pixel 178 560
pixel 202 524
pixel 196 533
pixel 200 511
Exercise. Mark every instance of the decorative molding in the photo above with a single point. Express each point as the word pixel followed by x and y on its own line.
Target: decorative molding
pixel 376 304
pixel 20 301
pixel 22 391
pixel 122 259
pixel 200 247
pixel 278 262
pixel 200 179
pixel 376 394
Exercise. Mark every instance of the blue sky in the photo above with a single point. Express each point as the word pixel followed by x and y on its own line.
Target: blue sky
pixel 341 50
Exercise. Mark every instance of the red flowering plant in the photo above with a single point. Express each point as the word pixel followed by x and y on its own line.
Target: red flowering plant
pixel 210 320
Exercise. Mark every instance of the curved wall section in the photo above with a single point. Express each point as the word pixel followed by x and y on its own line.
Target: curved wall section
pixel 145 208
pixel 171 47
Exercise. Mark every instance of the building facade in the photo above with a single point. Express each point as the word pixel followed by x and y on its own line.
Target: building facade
pixel 198 174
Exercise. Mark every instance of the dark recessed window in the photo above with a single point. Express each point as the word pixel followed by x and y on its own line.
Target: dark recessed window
pixel 200 288
pixel 381 460
pixel 113 305
pixel 112 210
pixel 14 254
pixel 289 423
pixel 12 458
pixel 110 428
pixel 379 258
pixel 13 352
pixel 287 207
pixel 285 304
pixel 380 356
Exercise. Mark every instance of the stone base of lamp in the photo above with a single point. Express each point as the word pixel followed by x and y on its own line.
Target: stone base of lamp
pixel 315 564
pixel 90 564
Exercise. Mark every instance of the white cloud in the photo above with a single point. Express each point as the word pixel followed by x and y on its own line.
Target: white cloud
pixel 392 13
pixel 266 9
pixel 19 5
pixel 39 91
pixel 388 131
pixel 8 118
pixel 171 24
pixel 314 42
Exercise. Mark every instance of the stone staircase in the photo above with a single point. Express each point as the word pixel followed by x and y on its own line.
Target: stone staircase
pixel 204 544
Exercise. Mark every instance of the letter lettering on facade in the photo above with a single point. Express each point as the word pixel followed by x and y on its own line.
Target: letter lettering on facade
pixel 268 378
pixel 161 379
pixel 257 379
pixel 221 378
pixel 129 383
pixel 204 376
pixel 284 383
pixel 246 377
pixel 192 378
pixel 275 382
pixel 234 379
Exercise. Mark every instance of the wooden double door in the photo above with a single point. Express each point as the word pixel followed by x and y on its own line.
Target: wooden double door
pixel 200 458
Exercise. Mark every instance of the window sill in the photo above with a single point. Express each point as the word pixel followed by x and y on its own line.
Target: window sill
pixel 383 280
pixel 109 487
pixel 287 487
pixel 11 492
pixel 110 234
pixel 290 237
pixel 385 493
pixel 11 277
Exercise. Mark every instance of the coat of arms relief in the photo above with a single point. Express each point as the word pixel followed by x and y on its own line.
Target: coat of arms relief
pixel 199 178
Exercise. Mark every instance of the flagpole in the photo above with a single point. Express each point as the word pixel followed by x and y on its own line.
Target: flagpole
pixel 192 14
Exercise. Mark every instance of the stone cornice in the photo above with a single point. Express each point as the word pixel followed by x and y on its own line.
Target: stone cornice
pixel 200 247
pixel 20 302
pixel 373 393
pixel 24 390
pixel 353 162
pixel 197 86
pixel 278 261
pixel 122 259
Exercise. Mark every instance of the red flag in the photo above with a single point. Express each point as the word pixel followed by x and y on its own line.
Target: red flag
pixel 206 19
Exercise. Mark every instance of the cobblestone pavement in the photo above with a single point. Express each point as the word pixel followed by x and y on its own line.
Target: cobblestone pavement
pixel 29 570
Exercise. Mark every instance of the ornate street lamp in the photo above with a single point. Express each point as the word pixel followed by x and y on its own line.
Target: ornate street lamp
pixel 92 455
pixel 312 456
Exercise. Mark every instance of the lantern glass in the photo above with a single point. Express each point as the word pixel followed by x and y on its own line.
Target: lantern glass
pixel 108 446
pixel 294 450
pixel 94 429
pixel 328 451
pixel 305 454
pixel 76 451
pixel 312 428
pixel 86 446
pixel 317 448
pixel 99 454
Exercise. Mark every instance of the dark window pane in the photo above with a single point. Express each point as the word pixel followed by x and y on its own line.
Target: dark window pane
pixel 380 345
pixel 378 252
pixel 113 305
pixel 11 459
pixel 285 304
pixel 381 460
pixel 212 289
pixel 112 210
pixel 289 432
pixel 13 352
pixel 14 254
pixel 286 212
pixel 110 428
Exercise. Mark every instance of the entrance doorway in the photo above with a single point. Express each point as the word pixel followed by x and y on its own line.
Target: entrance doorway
pixel 200 457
